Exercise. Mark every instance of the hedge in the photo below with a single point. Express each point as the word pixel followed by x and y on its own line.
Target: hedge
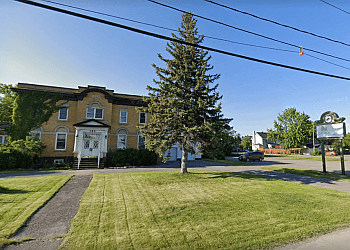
pixel 133 157
pixel 20 154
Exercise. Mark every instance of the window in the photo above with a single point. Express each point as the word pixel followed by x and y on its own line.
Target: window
pixel 3 139
pixel 143 118
pixel 61 138
pixel 121 142
pixel 123 116
pixel 36 135
pixel 61 141
pixel 58 161
pixel 141 142
pixel 94 113
pixel 63 114
pixel 122 138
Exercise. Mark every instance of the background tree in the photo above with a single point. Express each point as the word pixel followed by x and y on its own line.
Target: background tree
pixel 246 142
pixel 292 128
pixel 183 107
pixel 222 142
pixel 346 143
pixel 7 98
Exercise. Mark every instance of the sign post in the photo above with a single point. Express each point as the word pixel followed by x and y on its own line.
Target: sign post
pixel 330 126
pixel 323 158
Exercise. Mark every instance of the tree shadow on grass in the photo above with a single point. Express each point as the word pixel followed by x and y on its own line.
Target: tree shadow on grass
pixel 4 190
pixel 302 179
pixel 224 175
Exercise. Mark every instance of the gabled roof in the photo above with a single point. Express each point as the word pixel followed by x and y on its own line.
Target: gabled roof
pixel 91 123
pixel 262 134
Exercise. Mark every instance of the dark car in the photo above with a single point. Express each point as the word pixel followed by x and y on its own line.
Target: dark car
pixel 251 156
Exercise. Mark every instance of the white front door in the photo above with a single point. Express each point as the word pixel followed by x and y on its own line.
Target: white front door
pixel 91 144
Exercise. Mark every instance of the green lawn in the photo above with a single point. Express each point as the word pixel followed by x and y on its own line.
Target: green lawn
pixel 201 210
pixel 21 197
pixel 309 158
pixel 313 173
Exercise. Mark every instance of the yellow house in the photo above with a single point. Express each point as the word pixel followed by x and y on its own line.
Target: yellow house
pixel 92 121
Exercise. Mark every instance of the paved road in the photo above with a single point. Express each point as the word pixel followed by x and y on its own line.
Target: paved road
pixel 59 225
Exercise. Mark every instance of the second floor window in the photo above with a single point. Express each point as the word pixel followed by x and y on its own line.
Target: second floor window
pixel 63 114
pixel 142 118
pixel 94 113
pixel 123 116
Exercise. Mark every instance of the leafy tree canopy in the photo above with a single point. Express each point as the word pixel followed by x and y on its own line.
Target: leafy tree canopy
pixel 292 128
pixel 246 142
pixel 7 98
pixel 183 107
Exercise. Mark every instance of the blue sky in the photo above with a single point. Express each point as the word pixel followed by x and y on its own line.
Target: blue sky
pixel 44 47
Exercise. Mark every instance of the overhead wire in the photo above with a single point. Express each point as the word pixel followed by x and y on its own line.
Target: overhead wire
pixel 336 7
pixel 174 30
pixel 280 24
pixel 246 31
pixel 161 27
pixel 173 39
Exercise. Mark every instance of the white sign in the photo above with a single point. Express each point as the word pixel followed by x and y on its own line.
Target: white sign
pixel 335 130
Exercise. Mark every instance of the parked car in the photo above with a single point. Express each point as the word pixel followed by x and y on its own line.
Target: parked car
pixel 251 156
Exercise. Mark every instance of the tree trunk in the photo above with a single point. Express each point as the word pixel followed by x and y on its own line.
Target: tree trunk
pixel 184 161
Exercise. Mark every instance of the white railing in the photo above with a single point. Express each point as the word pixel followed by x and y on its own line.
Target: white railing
pixel 98 160
pixel 79 158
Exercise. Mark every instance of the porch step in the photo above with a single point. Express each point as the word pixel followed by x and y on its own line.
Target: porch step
pixel 88 163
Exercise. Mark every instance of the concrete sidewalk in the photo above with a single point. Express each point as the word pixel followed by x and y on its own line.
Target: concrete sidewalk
pixel 50 222
pixel 54 218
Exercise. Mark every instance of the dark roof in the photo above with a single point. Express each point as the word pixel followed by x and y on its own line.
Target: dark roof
pixel 85 124
pixel 262 134
pixel 119 99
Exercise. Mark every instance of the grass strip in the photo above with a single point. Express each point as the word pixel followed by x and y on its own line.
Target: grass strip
pixel 21 197
pixel 229 162
pixel 201 210
pixel 307 172
pixel 32 171
pixel 306 158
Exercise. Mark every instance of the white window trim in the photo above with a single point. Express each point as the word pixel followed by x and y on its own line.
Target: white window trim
pixel 65 142
pixel 3 139
pixel 59 113
pixel 138 141
pixel 94 117
pixel 58 161
pixel 34 133
pixel 120 116
pixel 126 140
pixel 140 118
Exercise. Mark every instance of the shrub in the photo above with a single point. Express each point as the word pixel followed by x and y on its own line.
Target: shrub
pixel 20 154
pixel 316 152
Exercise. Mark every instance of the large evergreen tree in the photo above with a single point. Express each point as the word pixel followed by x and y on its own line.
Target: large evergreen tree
pixel 184 107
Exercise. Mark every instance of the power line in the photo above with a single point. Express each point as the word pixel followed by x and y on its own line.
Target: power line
pixel 165 28
pixel 174 30
pixel 172 39
pixel 335 7
pixel 246 31
pixel 280 24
